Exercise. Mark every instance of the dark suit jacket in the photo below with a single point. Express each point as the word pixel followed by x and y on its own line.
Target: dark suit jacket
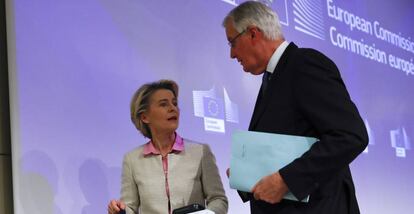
pixel 306 96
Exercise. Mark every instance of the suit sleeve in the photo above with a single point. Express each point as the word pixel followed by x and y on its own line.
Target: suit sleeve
pixel 212 186
pixel 323 101
pixel 129 189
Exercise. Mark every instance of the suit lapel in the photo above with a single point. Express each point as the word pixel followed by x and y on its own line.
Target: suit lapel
pixel 263 99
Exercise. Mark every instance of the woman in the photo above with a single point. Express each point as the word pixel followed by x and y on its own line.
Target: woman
pixel 167 172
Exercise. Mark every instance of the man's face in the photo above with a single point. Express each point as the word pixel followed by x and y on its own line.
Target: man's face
pixel 242 48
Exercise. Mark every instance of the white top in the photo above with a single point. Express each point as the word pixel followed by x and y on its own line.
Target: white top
pixel 276 57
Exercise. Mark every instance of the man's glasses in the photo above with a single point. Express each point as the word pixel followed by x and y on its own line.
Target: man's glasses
pixel 232 42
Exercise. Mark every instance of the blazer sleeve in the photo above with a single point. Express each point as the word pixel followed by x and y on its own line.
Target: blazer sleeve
pixel 129 189
pixel 214 194
pixel 322 100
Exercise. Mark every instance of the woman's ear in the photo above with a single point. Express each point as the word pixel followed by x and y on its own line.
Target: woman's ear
pixel 143 117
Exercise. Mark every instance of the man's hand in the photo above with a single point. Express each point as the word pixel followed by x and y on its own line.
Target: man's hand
pixel 115 206
pixel 271 189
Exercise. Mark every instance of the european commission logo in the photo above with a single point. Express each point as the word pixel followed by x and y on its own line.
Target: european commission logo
pixel 215 110
pixel 400 141
pixel 308 17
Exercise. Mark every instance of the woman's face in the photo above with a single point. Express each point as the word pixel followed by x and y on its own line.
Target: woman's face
pixel 163 113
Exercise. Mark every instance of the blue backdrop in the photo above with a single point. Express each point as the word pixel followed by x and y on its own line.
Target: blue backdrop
pixel 74 66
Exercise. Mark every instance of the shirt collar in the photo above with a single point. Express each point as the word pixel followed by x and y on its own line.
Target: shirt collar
pixel 276 57
pixel 178 146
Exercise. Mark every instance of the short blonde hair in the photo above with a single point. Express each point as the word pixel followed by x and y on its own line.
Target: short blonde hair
pixel 140 102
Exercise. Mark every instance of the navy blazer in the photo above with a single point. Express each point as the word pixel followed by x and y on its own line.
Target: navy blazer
pixel 306 96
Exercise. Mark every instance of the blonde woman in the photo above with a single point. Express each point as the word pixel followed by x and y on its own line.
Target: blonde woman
pixel 168 171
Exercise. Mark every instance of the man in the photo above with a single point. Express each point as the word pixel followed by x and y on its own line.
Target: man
pixel 302 94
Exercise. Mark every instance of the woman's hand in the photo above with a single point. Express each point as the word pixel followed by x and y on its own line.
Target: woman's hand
pixel 115 206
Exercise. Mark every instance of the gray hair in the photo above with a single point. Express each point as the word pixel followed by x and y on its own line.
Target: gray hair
pixel 252 13
pixel 140 102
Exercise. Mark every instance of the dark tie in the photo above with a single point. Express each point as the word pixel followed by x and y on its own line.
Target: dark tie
pixel 265 81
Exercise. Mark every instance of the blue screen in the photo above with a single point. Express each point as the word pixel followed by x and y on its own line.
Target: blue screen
pixel 74 66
